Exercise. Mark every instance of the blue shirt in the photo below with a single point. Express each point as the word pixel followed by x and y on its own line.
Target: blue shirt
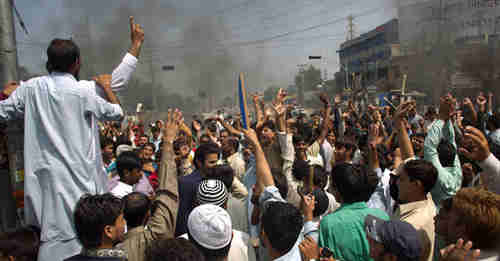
pixel 188 186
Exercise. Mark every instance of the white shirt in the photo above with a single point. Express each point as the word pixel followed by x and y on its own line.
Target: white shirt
pixel 62 154
pixel 381 197
pixel 121 190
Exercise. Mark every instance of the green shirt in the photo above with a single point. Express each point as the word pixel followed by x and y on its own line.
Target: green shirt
pixel 449 178
pixel 343 231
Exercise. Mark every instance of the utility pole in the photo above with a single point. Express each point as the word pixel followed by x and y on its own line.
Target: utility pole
pixel 8 72
pixel 350 27
pixel 301 87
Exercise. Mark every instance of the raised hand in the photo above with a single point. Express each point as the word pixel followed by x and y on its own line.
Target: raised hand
pixel 103 80
pixel 136 31
pixel 447 107
pixel 459 252
pixel 280 109
pixel 402 111
pixel 309 249
pixel 174 120
pixel 307 206
pixel 280 97
pixel 137 37
pixel 481 100
pixel 324 98
pixel 467 101
pixel 9 88
pixel 480 149
pixel 338 99
pixel 251 136
pixel 256 98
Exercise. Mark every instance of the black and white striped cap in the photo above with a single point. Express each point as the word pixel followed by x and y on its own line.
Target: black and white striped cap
pixel 212 191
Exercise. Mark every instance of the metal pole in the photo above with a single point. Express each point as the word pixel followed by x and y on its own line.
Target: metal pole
pixel 8 72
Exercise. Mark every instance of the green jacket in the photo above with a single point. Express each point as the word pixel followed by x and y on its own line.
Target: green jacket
pixel 343 231
pixel 449 178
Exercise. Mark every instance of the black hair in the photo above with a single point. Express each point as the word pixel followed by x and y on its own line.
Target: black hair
pixel 211 254
pixel 282 223
pixel 234 143
pixel 347 144
pixel 155 129
pixel 173 249
pixel 270 125
pixel 423 171
pixel 280 182
pixel 123 140
pixel 212 126
pixel 92 214
pixel 106 142
pixel 320 178
pixel 202 152
pixel 447 153
pixel 321 202
pixel 127 160
pixel 299 138
pixel 61 54
pixel 354 182
pixel 301 170
pixel 223 173
pixel 204 136
pixel 136 207
pixel 22 244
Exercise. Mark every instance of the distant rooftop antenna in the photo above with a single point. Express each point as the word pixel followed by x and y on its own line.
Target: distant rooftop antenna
pixel 350 27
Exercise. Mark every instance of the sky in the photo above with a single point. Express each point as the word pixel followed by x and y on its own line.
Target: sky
pixel 265 39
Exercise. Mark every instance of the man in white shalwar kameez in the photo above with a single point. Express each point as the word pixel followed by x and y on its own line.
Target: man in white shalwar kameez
pixel 62 153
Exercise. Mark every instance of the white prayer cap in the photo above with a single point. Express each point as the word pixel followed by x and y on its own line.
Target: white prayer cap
pixel 123 148
pixel 210 226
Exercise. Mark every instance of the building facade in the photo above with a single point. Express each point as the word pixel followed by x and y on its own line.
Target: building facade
pixel 367 59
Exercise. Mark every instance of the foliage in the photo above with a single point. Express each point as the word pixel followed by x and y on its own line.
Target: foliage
pixel 311 77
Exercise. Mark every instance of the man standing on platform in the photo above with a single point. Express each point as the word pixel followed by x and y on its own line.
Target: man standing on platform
pixel 62 153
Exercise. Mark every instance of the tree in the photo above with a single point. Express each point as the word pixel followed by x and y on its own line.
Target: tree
pixel 311 77
pixel 270 93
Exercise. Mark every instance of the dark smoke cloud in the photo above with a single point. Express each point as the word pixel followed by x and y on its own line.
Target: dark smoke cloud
pixel 193 41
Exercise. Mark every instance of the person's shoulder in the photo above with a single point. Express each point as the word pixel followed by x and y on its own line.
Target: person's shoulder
pixel 35 81
pixel 194 177
pixel 241 235
pixel 377 213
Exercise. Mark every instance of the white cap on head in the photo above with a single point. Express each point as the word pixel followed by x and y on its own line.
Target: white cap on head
pixel 123 148
pixel 210 226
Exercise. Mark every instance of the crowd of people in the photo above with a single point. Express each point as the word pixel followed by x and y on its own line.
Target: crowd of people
pixel 345 183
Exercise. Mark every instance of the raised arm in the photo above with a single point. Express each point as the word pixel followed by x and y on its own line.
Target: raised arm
pixel 229 128
pixel 163 220
pixel 404 140
pixel 264 176
pixel 258 111
pixel 326 119
pixel 450 178
pixel 480 152
pixel 104 81
pixel 12 104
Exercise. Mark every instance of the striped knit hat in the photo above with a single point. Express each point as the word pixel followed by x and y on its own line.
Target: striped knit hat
pixel 212 191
